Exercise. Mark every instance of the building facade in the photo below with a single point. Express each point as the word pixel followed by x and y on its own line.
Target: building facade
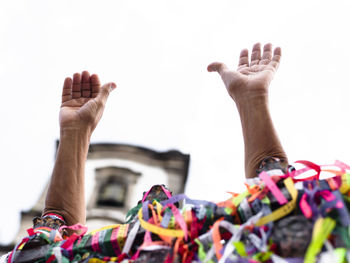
pixel 116 175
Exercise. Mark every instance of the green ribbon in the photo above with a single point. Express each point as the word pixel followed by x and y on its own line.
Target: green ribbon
pixel 201 252
pixel 323 227
pixel 132 213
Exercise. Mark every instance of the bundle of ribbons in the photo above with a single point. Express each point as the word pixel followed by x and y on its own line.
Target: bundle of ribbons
pixel 290 217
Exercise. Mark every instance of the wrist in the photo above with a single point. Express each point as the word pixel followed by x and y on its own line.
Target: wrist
pixel 255 103
pixel 75 135
pixel 80 129
pixel 249 94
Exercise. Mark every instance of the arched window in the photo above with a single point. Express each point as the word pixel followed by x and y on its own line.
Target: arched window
pixel 112 193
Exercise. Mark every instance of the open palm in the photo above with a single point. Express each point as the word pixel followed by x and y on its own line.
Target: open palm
pixel 83 101
pixel 250 79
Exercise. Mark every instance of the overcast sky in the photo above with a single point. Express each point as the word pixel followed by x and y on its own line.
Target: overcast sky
pixel 157 53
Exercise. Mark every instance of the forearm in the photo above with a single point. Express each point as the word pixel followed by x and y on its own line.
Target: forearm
pixel 66 190
pixel 260 136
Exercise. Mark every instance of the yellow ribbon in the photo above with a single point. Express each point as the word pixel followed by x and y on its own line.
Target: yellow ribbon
pixel 283 210
pixel 159 230
pixel 104 228
pixel 159 210
pixel 323 227
pixel 239 198
pixel 345 187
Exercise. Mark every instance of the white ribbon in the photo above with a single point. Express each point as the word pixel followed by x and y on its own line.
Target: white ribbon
pixel 131 237
pixel 58 254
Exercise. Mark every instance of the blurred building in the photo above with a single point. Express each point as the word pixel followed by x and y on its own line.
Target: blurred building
pixel 116 175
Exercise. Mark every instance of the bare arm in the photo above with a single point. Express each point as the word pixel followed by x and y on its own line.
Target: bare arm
pixel 248 86
pixel 83 102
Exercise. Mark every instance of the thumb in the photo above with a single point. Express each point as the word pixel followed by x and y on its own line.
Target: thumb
pixel 218 67
pixel 105 90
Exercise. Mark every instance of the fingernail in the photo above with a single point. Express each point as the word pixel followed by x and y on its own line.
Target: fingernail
pixel 112 87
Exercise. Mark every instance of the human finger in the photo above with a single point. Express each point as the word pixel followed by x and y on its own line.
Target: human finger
pixel 256 54
pixel 76 91
pixel 243 58
pixel 95 85
pixel 67 90
pixel 219 67
pixel 277 53
pixel 267 55
pixel 85 84
pixel 105 90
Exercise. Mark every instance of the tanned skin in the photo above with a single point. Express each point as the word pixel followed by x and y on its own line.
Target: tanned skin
pixel 83 103
pixel 248 86
pixel 84 99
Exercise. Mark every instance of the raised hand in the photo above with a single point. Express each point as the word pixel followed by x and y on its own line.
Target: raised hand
pixel 248 86
pixel 83 101
pixel 252 79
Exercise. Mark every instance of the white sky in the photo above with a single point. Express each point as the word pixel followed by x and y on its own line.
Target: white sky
pixel 157 53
